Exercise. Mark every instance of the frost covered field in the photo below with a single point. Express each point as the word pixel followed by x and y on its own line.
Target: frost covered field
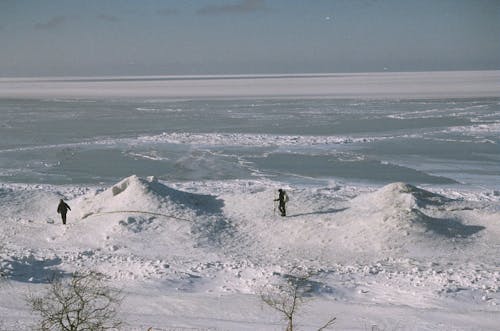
pixel 393 180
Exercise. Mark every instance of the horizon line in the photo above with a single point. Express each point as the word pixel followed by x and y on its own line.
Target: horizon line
pixel 224 76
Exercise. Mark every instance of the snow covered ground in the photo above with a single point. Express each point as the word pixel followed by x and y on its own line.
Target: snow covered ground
pixel 398 257
pixel 196 246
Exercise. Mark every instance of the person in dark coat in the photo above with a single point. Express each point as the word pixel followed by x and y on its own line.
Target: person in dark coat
pixel 283 199
pixel 63 210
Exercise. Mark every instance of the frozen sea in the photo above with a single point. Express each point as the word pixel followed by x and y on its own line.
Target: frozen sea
pixel 103 136
pixel 393 181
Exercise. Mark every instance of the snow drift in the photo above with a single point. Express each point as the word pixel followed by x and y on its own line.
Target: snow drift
pixel 139 195
pixel 401 219
pixel 404 206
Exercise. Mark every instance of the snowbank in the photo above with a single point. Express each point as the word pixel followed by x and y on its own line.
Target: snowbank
pixel 134 194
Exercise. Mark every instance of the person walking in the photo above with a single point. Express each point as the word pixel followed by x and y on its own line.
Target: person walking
pixel 283 199
pixel 62 209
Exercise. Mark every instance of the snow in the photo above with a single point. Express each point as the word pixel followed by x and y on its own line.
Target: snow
pixel 232 139
pixel 194 255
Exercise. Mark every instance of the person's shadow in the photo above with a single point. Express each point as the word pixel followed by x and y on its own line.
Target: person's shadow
pixel 328 211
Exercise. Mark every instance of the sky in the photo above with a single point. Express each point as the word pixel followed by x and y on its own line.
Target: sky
pixel 206 37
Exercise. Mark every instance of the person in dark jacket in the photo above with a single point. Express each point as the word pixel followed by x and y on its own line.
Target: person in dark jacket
pixel 283 199
pixel 63 210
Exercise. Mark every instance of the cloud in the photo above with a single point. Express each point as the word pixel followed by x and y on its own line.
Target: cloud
pixel 167 12
pixel 53 23
pixel 108 18
pixel 241 7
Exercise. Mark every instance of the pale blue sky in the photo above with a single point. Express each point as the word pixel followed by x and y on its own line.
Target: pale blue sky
pixel 153 37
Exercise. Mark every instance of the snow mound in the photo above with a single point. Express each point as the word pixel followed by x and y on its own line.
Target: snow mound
pixel 134 208
pixel 402 196
pixel 402 218
pixel 136 195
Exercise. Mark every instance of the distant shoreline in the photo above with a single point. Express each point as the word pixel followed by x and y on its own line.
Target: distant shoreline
pixel 375 85
pixel 230 76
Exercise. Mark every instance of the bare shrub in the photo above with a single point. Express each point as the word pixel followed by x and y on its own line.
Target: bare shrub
pixel 83 302
pixel 288 296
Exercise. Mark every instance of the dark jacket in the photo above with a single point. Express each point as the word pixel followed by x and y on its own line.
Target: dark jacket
pixel 63 207
pixel 282 198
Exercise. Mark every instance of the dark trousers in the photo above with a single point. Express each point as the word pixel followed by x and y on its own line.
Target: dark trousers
pixel 63 216
pixel 282 208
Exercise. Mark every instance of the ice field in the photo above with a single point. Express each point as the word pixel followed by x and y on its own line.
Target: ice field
pixel 393 181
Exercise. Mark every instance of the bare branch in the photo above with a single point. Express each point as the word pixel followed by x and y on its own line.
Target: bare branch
pixel 328 324
pixel 287 297
pixel 82 303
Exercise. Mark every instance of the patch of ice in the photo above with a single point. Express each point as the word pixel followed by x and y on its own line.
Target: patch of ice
pixel 239 139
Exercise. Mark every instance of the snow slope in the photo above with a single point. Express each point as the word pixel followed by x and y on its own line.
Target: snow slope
pixel 198 255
